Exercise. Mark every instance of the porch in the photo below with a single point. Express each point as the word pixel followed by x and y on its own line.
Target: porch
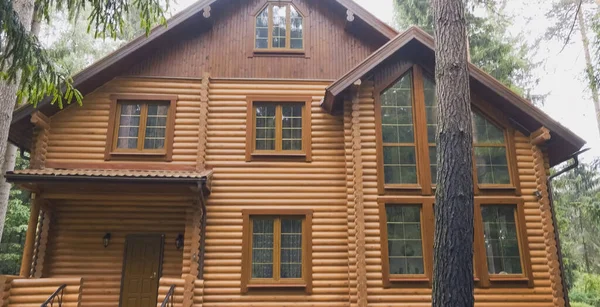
pixel 114 238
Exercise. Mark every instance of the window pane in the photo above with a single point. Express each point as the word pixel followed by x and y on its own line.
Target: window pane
pixel 485 132
pixel 262 248
pixel 433 163
pixel 129 125
pixel 400 164
pixel 265 127
pixel 279 26
pixel 291 248
pixel 405 248
pixel 156 126
pixel 397 112
pixel 501 243
pixel 291 126
pixel 296 29
pixel 262 29
pixel 492 166
pixel 430 108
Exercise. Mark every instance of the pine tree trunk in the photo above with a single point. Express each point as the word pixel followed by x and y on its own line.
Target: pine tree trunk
pixel 8 92
pixel 589 67
pixel 453 242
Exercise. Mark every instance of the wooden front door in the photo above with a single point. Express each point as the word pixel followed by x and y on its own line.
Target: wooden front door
pixel 141 270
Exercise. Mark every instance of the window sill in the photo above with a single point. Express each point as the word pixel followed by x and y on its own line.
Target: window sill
pixel 279 53
pixel 402 187
pixel 258 156
pixel 496 187
pixel 403 281
pixel 123 155
pixel 278 286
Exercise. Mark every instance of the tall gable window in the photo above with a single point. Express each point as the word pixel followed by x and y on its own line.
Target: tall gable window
pixel 490 152
pixel 407 115
pixel 279 26
pixel 398 133
pixel 141 125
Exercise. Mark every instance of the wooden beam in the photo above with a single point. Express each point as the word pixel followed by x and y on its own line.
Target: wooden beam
pixel 540 136
pixel 40 120
pixel 26 260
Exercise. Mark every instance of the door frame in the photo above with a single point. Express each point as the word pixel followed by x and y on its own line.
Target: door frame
pixel 160 259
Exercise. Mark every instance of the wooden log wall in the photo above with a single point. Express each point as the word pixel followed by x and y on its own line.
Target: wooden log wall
pixel 164 285
pixel 319 185
pixel 542 293
pixel 78 134
pixel 33 292
pixel 75 245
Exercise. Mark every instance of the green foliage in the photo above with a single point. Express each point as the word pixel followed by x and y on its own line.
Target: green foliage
pixel 492 49
pixel 15 228
pixel 22 55
pixel 586 290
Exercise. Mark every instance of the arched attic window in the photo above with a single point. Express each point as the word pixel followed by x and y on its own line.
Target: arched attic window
pixel 279 26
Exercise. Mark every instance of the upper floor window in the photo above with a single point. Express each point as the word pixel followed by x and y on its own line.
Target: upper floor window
pixel 142 125
pixel 278 249
pixel 408 118
pixel 490 152
pixel 278 128
pixel 279 27
pixel 398 133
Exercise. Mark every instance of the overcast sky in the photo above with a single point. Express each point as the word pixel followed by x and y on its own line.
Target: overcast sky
pixel 561 75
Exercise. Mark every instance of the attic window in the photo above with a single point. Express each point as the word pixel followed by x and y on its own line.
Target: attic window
pixel 279 27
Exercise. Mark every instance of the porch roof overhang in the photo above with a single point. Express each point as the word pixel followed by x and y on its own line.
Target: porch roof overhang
pixel 51 175
pixel 418 46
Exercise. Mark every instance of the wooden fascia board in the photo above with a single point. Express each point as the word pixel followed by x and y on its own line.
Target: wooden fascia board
pixel 376 58
pixel 475 73
pixel 369 18
pixel 119 54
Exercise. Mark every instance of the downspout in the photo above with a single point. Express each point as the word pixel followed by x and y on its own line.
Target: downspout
pixel 574 165
pixel 202 229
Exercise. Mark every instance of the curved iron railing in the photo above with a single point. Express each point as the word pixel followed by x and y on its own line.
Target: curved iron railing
pixel 57 295
pixel 168 301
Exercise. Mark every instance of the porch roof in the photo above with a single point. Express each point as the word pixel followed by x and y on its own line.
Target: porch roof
pixel 109 175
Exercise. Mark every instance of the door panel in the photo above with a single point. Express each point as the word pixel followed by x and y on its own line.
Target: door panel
pixel 141 270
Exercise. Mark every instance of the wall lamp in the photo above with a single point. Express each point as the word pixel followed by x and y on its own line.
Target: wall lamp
pixel 179 241
pixel 106 239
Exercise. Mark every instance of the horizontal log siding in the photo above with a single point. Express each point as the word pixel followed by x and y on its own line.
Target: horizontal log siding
pixel 319 185
pixel 78 134
pixel 33 292
pixel 76 247
pixel 539 296
pixel 224 49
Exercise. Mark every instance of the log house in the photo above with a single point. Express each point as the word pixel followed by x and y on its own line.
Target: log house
pixel 276 153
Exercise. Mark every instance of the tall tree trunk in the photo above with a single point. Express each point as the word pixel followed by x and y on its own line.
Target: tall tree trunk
pixel 589 66
pixel 8 92
pixel 453 243
pixel 585 249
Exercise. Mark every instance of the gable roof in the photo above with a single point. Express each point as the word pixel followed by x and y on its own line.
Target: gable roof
pixel 523 113
pixel 111 65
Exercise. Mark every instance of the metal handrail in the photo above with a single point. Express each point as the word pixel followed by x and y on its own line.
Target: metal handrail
pixel 168 301
pixel 57 294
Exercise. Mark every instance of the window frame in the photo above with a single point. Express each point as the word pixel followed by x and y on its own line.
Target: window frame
pixel 270 51
pixel 427 233
pixel 269 155
pixel 488 280
pixel 305 282
pixel 116 100
pixel 498 119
